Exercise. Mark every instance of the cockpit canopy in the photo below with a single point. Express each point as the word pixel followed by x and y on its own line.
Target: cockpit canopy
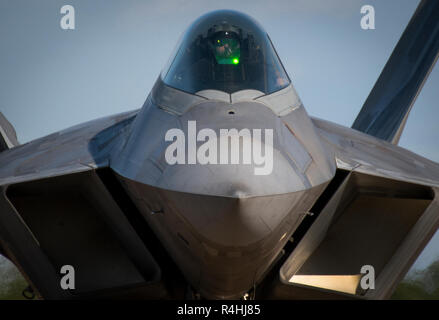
pixel 227 51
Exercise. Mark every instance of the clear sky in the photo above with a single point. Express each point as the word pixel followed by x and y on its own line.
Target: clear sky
pixel 51 78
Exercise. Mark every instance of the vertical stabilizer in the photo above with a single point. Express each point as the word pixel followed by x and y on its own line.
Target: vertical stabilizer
pixel 8 136
pixel 386 109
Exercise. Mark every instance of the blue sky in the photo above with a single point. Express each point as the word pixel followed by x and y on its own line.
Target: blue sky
pixel 51 78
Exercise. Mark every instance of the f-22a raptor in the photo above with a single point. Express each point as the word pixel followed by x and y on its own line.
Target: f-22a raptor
pixel 139 209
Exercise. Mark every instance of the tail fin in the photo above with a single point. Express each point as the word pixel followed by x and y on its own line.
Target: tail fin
pixel 8 136
pixel 388 105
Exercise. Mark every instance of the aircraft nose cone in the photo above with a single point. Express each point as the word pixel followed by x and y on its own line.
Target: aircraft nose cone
pixel 235 221
pixel 229 204
pixel 232 238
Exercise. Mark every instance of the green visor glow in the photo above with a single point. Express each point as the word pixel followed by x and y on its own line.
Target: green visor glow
pixel 227 51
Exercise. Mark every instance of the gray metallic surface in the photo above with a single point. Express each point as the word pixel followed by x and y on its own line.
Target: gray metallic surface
pixel 80 148
pixel 296 147
pixel 173 100
pixel 210 216
pixel 223 224
pixel 386 109
pixel 8 136
pixel 356 151
pixel 283 101
pixel 245 95
pixel 214 95
pixel 222 244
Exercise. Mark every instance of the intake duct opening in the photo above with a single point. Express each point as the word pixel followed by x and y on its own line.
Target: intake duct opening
pixel 75 221
pixel 365 222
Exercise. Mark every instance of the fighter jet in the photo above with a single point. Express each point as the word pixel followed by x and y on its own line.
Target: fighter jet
pixel 221 186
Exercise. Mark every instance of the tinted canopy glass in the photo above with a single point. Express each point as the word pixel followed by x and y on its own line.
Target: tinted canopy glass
pixel 227 51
